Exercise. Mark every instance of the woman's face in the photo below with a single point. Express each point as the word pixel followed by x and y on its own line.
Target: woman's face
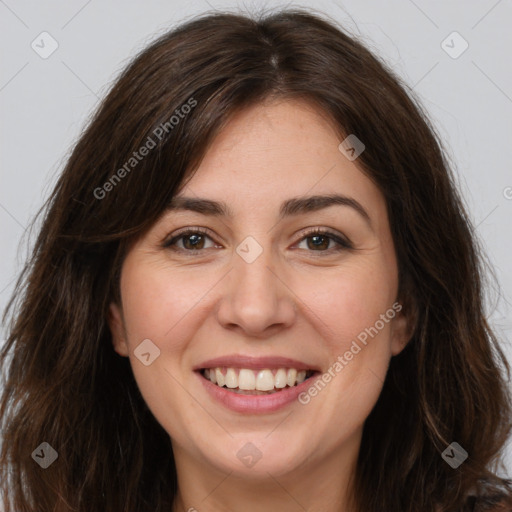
pixel 259 298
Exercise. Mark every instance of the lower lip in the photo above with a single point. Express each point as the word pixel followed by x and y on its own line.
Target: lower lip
pixel 253 404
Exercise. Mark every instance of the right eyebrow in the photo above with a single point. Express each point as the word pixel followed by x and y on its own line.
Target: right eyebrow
pixel 200 205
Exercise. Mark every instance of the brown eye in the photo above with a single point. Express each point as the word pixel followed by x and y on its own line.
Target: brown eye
pixel 318 242
pixel 189 241
pixel 193 241
pixel 324 241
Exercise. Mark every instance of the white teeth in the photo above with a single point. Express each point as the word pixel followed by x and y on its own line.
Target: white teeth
pixel 291 377
pixel 301 376
pixel 247 380
pixel 219 377
pixel 264 381
pixel 255 380
pixel 280 378
pixel 231 378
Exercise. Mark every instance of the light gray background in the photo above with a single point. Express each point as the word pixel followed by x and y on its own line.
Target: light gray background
pixel 45 102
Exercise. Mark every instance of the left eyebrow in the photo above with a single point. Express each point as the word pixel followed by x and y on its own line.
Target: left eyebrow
pixel 301 205
pixel 290 207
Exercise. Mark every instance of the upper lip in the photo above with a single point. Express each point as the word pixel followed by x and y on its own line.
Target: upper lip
pixel 254 363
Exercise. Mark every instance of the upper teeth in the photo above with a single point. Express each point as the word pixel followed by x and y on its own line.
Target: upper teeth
pixel 262 380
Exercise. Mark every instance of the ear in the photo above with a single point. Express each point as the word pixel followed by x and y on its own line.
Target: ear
pixel 116 324
pixel 402 328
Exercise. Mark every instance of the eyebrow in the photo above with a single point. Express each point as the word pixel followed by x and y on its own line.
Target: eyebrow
pixel 290 207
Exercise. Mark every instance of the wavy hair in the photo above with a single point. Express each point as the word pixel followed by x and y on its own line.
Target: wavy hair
pixel 65 385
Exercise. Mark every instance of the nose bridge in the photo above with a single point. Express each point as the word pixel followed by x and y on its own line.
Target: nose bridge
pixel 254 298
pixel 252 271
pixel 254 290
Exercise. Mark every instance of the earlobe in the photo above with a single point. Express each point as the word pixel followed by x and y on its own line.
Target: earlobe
pixel 402 331
pixel 116 325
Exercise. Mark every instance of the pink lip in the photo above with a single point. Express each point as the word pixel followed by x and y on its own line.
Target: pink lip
pixel 255 404
pixel 254 363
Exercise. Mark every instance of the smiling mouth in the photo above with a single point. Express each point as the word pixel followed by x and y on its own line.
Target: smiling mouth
pixel 245 381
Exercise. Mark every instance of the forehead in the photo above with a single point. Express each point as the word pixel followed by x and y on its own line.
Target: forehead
pixel 273 151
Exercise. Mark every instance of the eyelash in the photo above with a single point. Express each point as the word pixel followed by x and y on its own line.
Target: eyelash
pixel 343 244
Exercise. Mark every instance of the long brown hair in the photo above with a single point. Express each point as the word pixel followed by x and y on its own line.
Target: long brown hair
pixel 65 385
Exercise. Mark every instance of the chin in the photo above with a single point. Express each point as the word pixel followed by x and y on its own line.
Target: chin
pixel 255 456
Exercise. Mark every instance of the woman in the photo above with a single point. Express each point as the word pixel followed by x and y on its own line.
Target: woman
pixel 255 287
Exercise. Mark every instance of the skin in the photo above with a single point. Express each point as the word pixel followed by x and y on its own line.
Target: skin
pixel 295 300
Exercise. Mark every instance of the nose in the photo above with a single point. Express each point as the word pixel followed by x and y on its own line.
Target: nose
pixel 256 299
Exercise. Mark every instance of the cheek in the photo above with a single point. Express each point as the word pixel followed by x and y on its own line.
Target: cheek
pixel 156 301
pixel 349 300
pixel 155 305
pixel 347 308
